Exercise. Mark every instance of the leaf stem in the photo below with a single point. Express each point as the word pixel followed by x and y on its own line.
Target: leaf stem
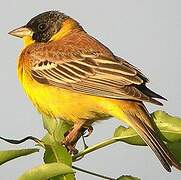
pixel 94 148
pixel 92 173
pixel 15 141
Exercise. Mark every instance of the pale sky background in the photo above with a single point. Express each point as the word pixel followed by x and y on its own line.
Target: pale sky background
pixel 146 33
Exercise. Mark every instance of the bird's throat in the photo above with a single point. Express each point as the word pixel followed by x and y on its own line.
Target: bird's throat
pixel 27 40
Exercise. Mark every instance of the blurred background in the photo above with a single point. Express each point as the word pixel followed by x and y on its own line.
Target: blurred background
pixel 146 33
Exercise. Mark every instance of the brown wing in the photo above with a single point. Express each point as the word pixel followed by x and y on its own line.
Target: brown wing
pixel 94 75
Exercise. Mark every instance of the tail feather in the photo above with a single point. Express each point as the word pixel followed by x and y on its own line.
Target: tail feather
pixel 149 92
pixel 147 133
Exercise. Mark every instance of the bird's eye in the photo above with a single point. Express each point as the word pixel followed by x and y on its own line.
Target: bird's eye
pixel 42 26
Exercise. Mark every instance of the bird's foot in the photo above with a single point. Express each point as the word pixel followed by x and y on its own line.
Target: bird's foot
pixel 73 135
pixel 70 141
pixel 70 148
pixel 71 138
pixel 90 130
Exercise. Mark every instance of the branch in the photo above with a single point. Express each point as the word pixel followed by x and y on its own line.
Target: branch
pixel 94 148
pixel 92 173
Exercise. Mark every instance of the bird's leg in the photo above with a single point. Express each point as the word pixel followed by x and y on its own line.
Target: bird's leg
pixel 85 145
pixel 72 136
pixel 90 130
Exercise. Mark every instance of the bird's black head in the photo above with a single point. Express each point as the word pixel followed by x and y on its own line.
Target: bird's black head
pixel 45 25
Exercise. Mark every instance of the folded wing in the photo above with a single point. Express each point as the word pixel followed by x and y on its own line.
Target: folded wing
pixel 95 75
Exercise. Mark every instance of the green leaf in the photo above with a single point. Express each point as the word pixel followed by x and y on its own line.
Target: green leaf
pixel 12 154
pixel 58 153
pixel 49 124
pixel 61 128
pixel 175 148
pixel 169 126
pixel 128 135
pixel 54 151
pixel 55 127
pixel 49 156
pixel 128 178
pixel 46 171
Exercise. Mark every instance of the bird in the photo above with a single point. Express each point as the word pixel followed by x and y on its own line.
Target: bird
pixel 70 75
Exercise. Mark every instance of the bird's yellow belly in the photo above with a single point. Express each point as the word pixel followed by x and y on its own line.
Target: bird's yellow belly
pixel 61 103
pixel 68 105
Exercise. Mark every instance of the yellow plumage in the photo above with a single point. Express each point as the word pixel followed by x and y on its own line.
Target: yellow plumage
pixel 65 104
pixel 62 103
pixel 82 65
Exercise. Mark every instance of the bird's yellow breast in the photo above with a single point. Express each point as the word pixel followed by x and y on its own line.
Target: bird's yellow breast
pixel 61 103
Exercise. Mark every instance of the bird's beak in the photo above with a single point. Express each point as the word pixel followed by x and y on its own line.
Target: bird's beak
pixel 21 32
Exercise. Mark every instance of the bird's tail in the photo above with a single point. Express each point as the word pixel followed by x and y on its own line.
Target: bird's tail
pixel 139 119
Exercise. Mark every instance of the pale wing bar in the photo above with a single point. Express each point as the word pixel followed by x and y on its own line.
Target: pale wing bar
pixel 94 76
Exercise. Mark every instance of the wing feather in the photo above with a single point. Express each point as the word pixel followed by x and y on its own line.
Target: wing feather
pixel 98 76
